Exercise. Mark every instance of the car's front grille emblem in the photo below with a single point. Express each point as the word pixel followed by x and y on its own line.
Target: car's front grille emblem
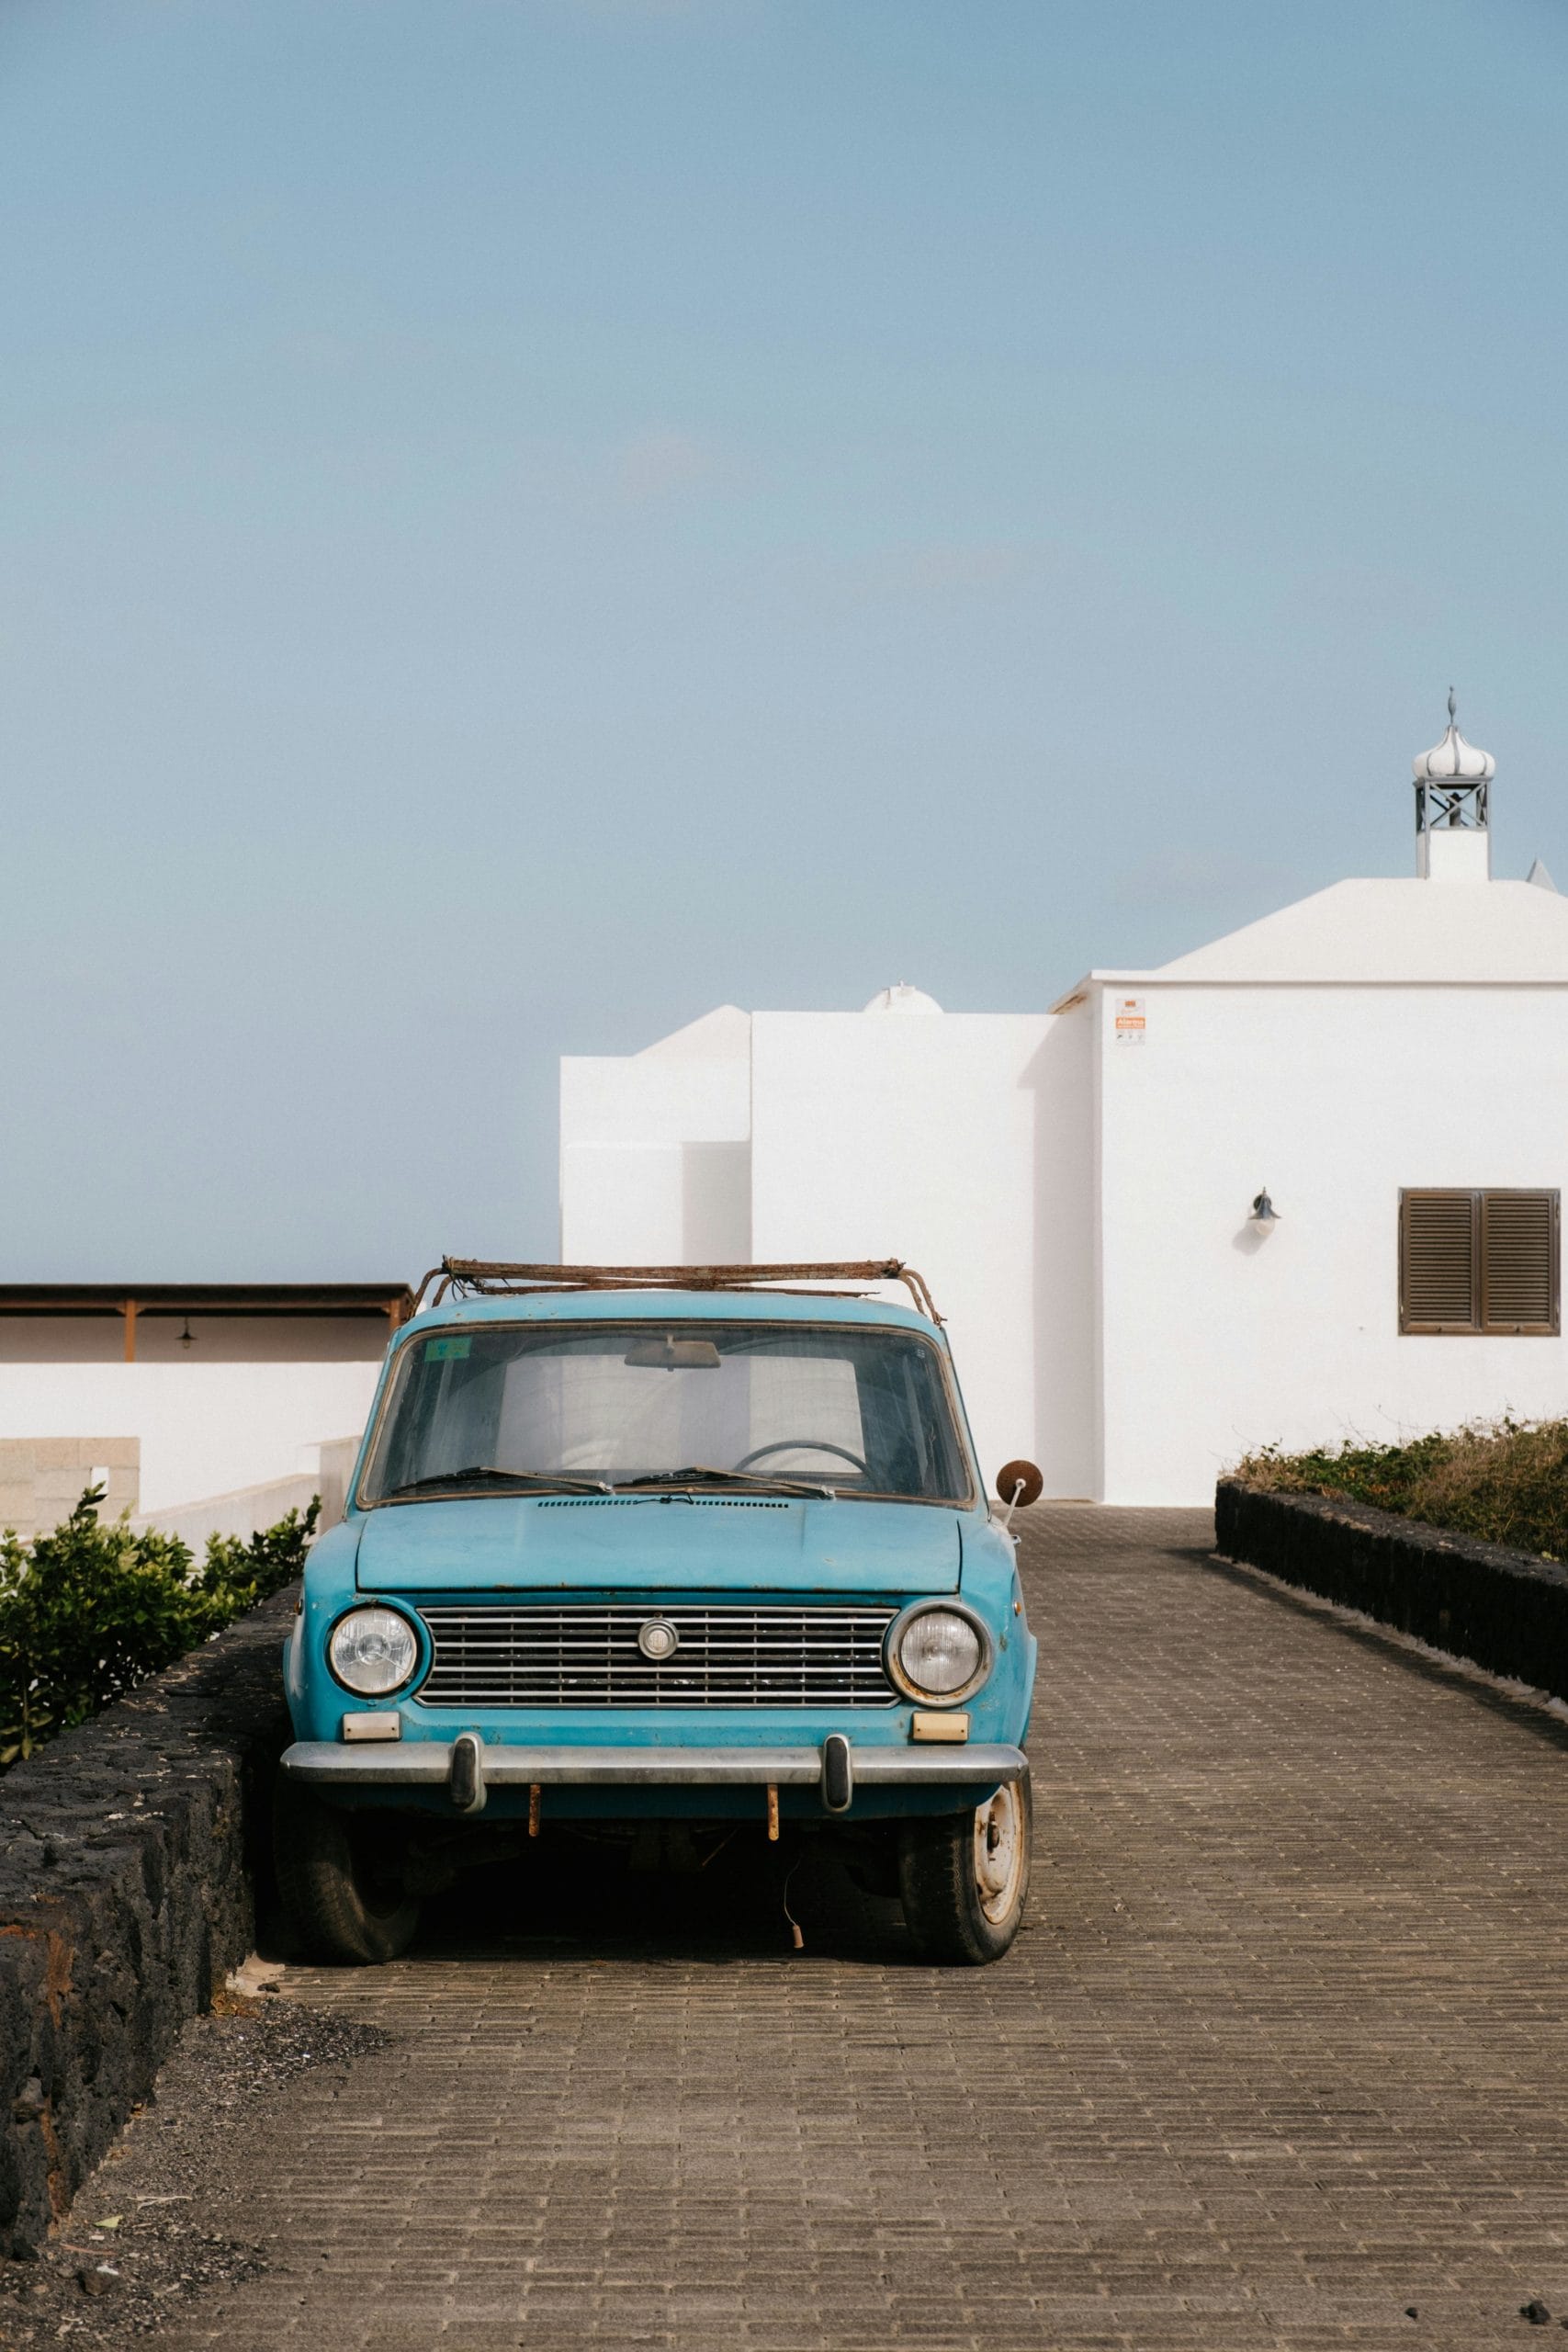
pixel 657 1640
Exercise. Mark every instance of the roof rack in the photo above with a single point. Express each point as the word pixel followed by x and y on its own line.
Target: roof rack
pixel 491 1278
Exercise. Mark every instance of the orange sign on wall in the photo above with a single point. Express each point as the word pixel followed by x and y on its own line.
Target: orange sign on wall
pixel 1129 1028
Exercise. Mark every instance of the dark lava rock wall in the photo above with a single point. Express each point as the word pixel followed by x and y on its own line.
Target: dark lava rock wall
pixel 1505 1610
pixel 128 1855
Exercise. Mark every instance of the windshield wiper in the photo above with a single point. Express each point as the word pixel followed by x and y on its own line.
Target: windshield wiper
pixel 487 1470
pixel 699 1473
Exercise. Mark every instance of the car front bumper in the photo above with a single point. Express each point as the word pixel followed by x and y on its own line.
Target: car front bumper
pixel 468 1767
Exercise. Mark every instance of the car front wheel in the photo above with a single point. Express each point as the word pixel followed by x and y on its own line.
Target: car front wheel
pixel 963 1878
pixel 341 1878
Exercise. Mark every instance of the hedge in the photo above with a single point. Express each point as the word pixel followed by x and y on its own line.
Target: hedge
pixel 90 1609
pixel 1506 1481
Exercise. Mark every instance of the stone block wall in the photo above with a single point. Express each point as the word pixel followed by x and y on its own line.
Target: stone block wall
pixel 129 1850
pixel 41 1478
pixel 1504 1610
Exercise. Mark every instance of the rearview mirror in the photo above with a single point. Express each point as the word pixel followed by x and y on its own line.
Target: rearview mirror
pixel 1019 1484
pixel 670 1354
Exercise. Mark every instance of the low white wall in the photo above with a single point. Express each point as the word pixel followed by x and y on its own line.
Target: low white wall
pixel 205 1428
pixel 244 1514
pixel 251 1510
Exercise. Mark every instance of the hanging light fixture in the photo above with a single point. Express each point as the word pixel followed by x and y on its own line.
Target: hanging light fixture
pixel 187 1337
pixel 1263 1214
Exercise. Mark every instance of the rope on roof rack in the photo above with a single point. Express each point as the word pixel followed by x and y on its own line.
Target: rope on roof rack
pixel 495 1278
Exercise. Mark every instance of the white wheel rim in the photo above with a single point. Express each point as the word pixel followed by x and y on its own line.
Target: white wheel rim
pixel 999 1853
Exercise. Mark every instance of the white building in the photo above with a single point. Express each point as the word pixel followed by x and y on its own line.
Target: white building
pixel 1386 1060
pixel 202 1407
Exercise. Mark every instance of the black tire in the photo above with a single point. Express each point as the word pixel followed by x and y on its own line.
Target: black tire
pixel 340 1880
pixel 963 1878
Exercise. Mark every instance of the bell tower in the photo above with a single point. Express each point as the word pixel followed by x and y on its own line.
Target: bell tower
pixel 1453 783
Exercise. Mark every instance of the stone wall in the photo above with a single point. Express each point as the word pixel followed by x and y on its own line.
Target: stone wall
pixel 128 1855
pixel 1505 1610
pixel 41 1478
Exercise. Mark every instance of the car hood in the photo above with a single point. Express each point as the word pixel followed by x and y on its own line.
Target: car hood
pixel 664 1543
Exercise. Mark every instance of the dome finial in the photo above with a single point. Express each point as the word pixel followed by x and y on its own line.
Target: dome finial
pixel 1453 763
pixel 1452 791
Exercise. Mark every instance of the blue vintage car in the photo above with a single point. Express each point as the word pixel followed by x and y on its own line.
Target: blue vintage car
pixel 662 1551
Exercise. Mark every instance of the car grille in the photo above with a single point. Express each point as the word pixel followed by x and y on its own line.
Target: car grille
pixel 589 1658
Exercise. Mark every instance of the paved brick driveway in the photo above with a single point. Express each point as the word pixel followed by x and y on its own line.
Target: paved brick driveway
pixel 1282 2053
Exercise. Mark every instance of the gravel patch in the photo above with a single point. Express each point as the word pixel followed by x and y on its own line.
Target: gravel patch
pixel 161 2220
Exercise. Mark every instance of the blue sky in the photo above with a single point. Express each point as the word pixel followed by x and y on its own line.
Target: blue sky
pixel 522 520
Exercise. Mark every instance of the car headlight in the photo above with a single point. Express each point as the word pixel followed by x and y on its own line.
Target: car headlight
pixel 373 1651
pixel 939 1651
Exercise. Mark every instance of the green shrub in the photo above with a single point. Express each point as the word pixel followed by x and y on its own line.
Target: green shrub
pixel 1505 1481
pixel 89 1610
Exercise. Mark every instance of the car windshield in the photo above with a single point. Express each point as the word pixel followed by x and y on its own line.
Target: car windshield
pixel 858 1408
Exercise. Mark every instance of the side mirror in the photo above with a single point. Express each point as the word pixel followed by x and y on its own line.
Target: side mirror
pixel 1018 1482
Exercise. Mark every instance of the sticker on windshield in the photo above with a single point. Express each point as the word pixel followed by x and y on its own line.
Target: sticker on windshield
pixel 448 1350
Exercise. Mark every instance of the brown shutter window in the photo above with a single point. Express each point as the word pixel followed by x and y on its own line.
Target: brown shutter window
pixel 1437 1256
pixel 1478 1261
pixel 1519 1261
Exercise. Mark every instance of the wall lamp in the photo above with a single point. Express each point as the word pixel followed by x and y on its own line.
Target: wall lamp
pixel 1263 1214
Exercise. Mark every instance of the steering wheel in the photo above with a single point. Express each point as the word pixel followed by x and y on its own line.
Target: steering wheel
pixel 807 1445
